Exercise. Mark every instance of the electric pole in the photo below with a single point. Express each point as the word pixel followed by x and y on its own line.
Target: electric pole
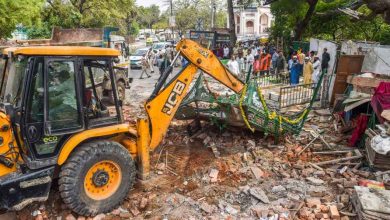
pixel 213 12
pixel 171 23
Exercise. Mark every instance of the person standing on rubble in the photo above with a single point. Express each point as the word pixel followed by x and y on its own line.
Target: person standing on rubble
pixel 307 71
pixel 265 62
pixel 295 71
pixel 280 63
pixel 233 66
pixel 226 52
pixel 325 60
pixel 316 70
pixel 274 60
pixel 249 60
pixel 241 62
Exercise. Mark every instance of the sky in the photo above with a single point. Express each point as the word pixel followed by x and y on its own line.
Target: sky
pixel 160 3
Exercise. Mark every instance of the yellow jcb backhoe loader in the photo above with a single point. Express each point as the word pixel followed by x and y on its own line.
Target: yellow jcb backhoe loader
pixel 53 124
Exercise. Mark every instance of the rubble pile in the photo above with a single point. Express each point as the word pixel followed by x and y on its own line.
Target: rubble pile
pixel 236 174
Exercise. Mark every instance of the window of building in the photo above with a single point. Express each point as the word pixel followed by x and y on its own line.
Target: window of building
pixel 250 27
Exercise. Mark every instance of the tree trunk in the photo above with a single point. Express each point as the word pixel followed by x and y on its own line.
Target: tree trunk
pixel 380 7
pixel 302 25
pixel 232 24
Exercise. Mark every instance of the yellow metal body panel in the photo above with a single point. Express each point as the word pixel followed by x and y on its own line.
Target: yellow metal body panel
pixel 209 63
pixel 163 107
pixel 8 140
pixel 62 51
pixel 143 148
pixel 75 140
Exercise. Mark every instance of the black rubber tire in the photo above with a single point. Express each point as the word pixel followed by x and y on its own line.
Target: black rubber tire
pixel 73 172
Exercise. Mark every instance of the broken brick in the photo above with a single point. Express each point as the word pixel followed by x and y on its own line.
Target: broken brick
pixel 313 202
pixel 350 184
pixel 143 203
pixel 324 208
pixel 334 212
pixel 161 166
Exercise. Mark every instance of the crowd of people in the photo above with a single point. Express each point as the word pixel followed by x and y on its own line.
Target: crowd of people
pixel 260 60
pixel 266 60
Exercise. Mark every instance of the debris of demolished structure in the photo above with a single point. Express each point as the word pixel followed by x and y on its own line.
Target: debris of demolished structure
pixel 336 167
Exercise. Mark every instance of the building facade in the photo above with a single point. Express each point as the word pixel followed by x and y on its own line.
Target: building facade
pixel 252 21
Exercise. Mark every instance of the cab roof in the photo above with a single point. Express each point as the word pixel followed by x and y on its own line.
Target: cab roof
pixel 62 51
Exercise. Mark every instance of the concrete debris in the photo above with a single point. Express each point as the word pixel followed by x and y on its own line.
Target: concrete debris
pixel 278 189
pixel 257 172
pixel 206 207
pixel 231 210
pixel 237 175
pixel 259 194
pixel 315 181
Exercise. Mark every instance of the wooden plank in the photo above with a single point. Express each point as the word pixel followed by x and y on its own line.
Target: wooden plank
pixel 386 115
pixel 346 66
pixel 356 104
pixel 365 81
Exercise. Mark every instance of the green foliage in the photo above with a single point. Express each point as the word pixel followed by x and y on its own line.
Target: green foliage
pixel 148 16
pixel 39 32
pixel 14 12
pixel 86 14
pixel 134 28
pixel 188 11
pixel 328 22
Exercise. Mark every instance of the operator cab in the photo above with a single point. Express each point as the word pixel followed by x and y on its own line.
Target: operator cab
pixel 56 92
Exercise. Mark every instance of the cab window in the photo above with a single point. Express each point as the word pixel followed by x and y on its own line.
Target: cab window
pixel 96 93
pixel 36 101
pixel 62 104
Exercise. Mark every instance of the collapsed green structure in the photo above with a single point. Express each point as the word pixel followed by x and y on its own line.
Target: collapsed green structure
pixel 246 109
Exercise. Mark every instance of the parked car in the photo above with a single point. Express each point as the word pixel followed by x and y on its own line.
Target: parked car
pixel 155 39
pixel 135 59
pixel 162 38
pixel 149 41
pixel 156 47
pixel 141 37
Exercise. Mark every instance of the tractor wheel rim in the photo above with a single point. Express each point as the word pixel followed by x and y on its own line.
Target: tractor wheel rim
pixel 102 180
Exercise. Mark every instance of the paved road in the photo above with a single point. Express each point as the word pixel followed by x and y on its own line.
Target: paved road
pixel 138 44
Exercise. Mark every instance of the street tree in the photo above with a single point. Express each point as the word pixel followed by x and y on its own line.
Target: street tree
pixel 187 13
pixel 14 12
pixel 148 16
pixel 324 17
pixel 232 24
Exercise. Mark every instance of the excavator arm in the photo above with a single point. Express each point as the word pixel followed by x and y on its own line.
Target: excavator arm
pixel 164 102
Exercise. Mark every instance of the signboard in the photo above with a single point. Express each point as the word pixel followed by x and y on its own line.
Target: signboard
pixel 172 21
pixel 222 39
pixel 204 38
pixel 199 25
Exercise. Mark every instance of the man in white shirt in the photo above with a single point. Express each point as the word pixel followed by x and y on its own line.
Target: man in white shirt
pixel 249 60
pixel 317 70
pixel 233 66
pixel 226 52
